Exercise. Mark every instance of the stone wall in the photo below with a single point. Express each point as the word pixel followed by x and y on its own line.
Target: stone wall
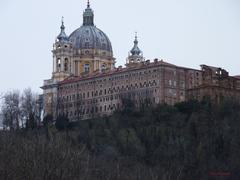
pixel 216 85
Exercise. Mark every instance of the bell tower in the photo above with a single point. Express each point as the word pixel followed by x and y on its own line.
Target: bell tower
pixel 62 68
pixel 135 55
pixel 62 56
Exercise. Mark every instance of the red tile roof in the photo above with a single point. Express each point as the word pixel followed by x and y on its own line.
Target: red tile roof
pixel 73 79
pixel 238 76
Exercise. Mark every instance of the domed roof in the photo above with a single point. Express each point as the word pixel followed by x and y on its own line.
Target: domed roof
pixel 62 36
pixel 89 36
pixel 135 50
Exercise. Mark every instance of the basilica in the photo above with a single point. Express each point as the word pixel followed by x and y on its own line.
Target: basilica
pixel 85 82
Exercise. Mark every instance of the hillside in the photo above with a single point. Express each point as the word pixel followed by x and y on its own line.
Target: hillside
pixel 191 140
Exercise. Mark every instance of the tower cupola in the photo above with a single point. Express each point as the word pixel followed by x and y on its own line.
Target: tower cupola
pixel 135 55
pixel 62 36
pixel 135 50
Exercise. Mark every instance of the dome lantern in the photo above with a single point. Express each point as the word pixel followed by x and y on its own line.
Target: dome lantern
pixel 88 16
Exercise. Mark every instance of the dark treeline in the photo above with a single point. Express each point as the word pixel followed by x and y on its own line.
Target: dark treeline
pixel 189 141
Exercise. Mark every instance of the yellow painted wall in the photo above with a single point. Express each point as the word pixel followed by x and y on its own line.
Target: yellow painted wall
pixel 91 63
pixel 81 66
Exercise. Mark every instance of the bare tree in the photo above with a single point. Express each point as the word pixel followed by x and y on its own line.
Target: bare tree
pixel 29 109
pixel 11 110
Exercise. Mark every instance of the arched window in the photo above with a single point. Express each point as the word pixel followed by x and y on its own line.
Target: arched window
pixel 59 65
pixel 87 45
pixel 103 67
pixel 66 64
pixel 86 67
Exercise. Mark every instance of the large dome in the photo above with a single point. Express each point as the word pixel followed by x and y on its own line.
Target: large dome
pixel 90 37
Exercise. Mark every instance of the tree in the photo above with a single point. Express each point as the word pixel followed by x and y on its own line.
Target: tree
pixel 29 109
pixel 46 121
pixel 128 105
pixel 11 110
pixel 62 123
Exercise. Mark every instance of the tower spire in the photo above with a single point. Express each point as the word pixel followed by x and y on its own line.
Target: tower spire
pixel 135 55
pixel 62 36
pixel 135 50
pixel 88 4
pixel 136 40
pixel 62 27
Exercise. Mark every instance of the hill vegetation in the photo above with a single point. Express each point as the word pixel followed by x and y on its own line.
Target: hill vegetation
pixel 191 140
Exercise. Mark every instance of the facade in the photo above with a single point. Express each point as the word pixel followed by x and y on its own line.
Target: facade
pixel 216 84
pixel 99 94
pixel 85 82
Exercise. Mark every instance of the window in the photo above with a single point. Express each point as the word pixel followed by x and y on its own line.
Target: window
pixel 87 45
pixel 182 84
pixel 103 67
pixel 59 65
pixel 66 64
pixel 175 83
pixel 86 67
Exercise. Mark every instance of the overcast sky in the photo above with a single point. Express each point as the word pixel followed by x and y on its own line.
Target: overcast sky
pixel 183 32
